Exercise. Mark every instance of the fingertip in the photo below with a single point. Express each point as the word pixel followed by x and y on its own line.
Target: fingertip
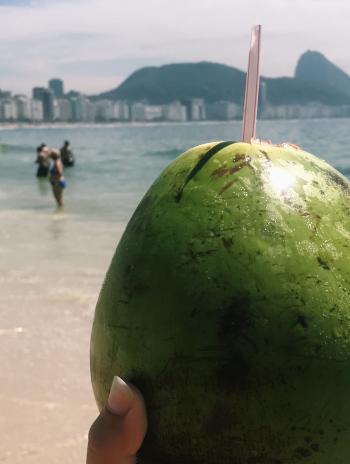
pixel 120 397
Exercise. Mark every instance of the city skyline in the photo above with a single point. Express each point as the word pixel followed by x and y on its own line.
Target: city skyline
pixel 51 105
pixel 95 44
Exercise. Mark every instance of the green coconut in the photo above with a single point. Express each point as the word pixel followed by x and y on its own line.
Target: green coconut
pixel 227 304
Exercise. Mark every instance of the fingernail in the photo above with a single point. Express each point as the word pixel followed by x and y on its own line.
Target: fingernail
pixel 120 397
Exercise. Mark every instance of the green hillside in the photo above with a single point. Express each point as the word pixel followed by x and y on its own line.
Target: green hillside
pixel 165 84
pixel 215 82
pixel 313 67
pixel 289 90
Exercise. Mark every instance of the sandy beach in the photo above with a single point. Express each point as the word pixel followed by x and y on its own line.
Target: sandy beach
pixel 46 310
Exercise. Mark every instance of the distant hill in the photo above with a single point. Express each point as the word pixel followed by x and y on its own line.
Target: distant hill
pixel 215 82
pixel 313 67
pixel 164 84
pixel 289 90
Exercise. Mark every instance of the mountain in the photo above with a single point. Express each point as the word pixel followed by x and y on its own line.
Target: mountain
pixel 215 82
pixel 313 67
pixel 288 90
pixel 164 84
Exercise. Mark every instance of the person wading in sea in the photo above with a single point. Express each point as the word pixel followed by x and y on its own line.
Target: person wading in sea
pixel 57 177
pixel 43 161
pixel 67 156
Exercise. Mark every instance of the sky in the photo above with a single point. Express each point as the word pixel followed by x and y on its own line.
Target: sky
pixel 93 45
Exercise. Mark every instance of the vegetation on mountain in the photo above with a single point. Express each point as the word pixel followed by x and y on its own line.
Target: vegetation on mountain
pixel 315 68
pixel 316 80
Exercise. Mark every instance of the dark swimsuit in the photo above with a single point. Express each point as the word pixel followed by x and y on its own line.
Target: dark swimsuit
pixel 67 157
pixel 42 171
pixel 43 168
pixel 54 177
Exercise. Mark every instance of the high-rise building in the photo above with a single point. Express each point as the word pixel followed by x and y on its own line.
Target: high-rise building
pixel 46 97
pixel 223 110
pixel 104 110
pixel 23 107
pixel 37 111
pixel 77 108
pixel 63 110
pixel 175 112
pixel 196 110
pixel 121 111
pixel 8 110
pixel 138 111
pixel 38 92
pixel 57 87
pixel 5 94
pixel 82 109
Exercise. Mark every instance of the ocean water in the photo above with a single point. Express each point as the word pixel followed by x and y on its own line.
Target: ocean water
pixel 116 165
pixel 52 263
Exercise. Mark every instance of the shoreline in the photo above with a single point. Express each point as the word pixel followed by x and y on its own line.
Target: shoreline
pixel 97 125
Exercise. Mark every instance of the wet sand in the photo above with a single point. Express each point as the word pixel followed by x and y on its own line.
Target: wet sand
pixel 51 269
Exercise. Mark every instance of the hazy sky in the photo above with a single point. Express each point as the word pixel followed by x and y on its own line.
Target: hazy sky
pixel 94 44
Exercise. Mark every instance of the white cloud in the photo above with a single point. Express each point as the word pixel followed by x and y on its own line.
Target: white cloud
pixel 44 39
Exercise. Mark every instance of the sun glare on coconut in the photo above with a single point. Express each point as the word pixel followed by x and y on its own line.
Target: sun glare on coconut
pixel 280 179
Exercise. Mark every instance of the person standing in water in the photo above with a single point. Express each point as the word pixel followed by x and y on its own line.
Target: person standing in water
pixel 57 177
pixel 67 156
pixel 43 161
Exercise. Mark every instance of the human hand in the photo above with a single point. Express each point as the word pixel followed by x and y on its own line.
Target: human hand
pixel 119 430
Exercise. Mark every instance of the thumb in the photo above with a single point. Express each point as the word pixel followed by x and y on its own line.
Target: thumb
pixel 119 430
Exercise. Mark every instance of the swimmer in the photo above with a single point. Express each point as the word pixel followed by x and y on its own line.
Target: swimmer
pixel 67 156
pixel 42 159
pixel 56 177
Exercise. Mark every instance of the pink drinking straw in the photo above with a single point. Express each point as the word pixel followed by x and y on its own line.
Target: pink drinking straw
pixel 252 87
